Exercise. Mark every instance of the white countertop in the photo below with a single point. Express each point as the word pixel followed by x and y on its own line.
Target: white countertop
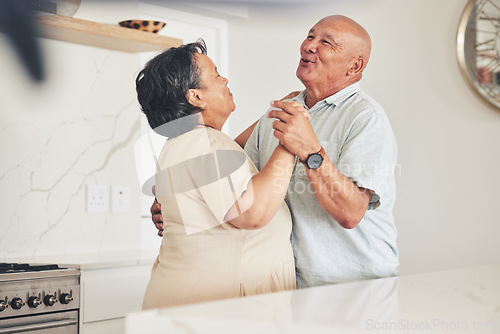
pixel 455 301
pixel 96 260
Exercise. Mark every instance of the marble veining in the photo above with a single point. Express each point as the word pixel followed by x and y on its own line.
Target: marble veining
pixel 78 128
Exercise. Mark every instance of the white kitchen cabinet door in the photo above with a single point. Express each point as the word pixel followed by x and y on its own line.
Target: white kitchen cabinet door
pixel 113 326
pixel 112 293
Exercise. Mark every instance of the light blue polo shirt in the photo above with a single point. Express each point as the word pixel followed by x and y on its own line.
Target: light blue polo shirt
pixel 357 137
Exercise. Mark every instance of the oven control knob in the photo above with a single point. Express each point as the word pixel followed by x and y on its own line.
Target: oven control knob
pixel 65 298
pixel 3 304
pixel 50 300
pixel 34 302
pixel 16 303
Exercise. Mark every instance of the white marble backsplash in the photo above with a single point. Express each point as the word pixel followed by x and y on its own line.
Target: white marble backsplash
pixel 76 128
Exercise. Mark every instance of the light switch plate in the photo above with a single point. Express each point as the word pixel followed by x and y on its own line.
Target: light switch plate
pixel 97 198
pixel 120 199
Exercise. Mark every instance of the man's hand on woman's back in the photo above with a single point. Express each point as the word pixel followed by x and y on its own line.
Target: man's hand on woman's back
pixel 156 216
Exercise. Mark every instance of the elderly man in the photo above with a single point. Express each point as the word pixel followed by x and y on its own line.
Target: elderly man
pixel 342 191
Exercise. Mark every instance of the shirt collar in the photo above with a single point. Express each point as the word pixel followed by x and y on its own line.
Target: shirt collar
pixel 343 95
pixel 334 99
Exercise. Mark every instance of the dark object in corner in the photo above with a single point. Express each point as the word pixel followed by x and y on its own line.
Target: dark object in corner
pixel 15 21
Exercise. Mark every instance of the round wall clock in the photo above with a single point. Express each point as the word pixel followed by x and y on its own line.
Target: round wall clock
pixel 478 49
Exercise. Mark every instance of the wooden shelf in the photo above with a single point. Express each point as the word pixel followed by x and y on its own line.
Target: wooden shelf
pixel 68 29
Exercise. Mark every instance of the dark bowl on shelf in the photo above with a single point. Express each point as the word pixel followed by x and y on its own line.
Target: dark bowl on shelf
pixel 143 25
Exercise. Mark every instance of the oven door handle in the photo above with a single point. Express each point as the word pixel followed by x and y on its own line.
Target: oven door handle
pixel 39 326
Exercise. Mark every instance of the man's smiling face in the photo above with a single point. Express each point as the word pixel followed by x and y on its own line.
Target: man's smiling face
pixel 327 54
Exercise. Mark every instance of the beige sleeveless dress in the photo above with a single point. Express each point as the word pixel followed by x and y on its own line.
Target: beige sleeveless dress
pixel 202 257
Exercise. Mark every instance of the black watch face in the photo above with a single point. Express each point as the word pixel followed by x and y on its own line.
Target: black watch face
pixel 314 161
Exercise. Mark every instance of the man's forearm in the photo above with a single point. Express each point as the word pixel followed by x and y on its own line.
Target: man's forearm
pixel 343 200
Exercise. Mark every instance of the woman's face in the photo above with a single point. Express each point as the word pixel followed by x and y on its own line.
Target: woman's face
pixel 215 97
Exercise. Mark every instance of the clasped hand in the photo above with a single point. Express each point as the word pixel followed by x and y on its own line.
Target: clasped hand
pixel 293 129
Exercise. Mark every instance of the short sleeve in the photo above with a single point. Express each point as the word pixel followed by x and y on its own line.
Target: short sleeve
pixel 199 177
pixel 252 145
pixel 228 170
pixel 368 157
pixel 229 185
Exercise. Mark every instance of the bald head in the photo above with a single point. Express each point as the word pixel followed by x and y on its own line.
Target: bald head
pixel 356 38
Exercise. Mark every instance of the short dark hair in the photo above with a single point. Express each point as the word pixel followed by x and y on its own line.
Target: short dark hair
pixel 162 86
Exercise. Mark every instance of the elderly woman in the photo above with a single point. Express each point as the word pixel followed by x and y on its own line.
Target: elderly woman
pixel 226 226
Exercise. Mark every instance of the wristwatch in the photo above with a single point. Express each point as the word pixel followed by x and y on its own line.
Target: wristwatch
pixel 314 160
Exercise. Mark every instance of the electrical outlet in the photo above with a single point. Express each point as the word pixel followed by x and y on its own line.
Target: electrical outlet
pixel 120 199
pixel 97 198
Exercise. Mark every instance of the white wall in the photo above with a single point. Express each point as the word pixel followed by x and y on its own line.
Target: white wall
pixel 447 140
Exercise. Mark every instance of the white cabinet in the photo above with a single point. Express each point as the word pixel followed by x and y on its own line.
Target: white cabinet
pixel 108 294
pixel 112 326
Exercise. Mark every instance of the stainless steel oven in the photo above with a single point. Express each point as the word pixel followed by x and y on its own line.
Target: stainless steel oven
pixel 39 299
